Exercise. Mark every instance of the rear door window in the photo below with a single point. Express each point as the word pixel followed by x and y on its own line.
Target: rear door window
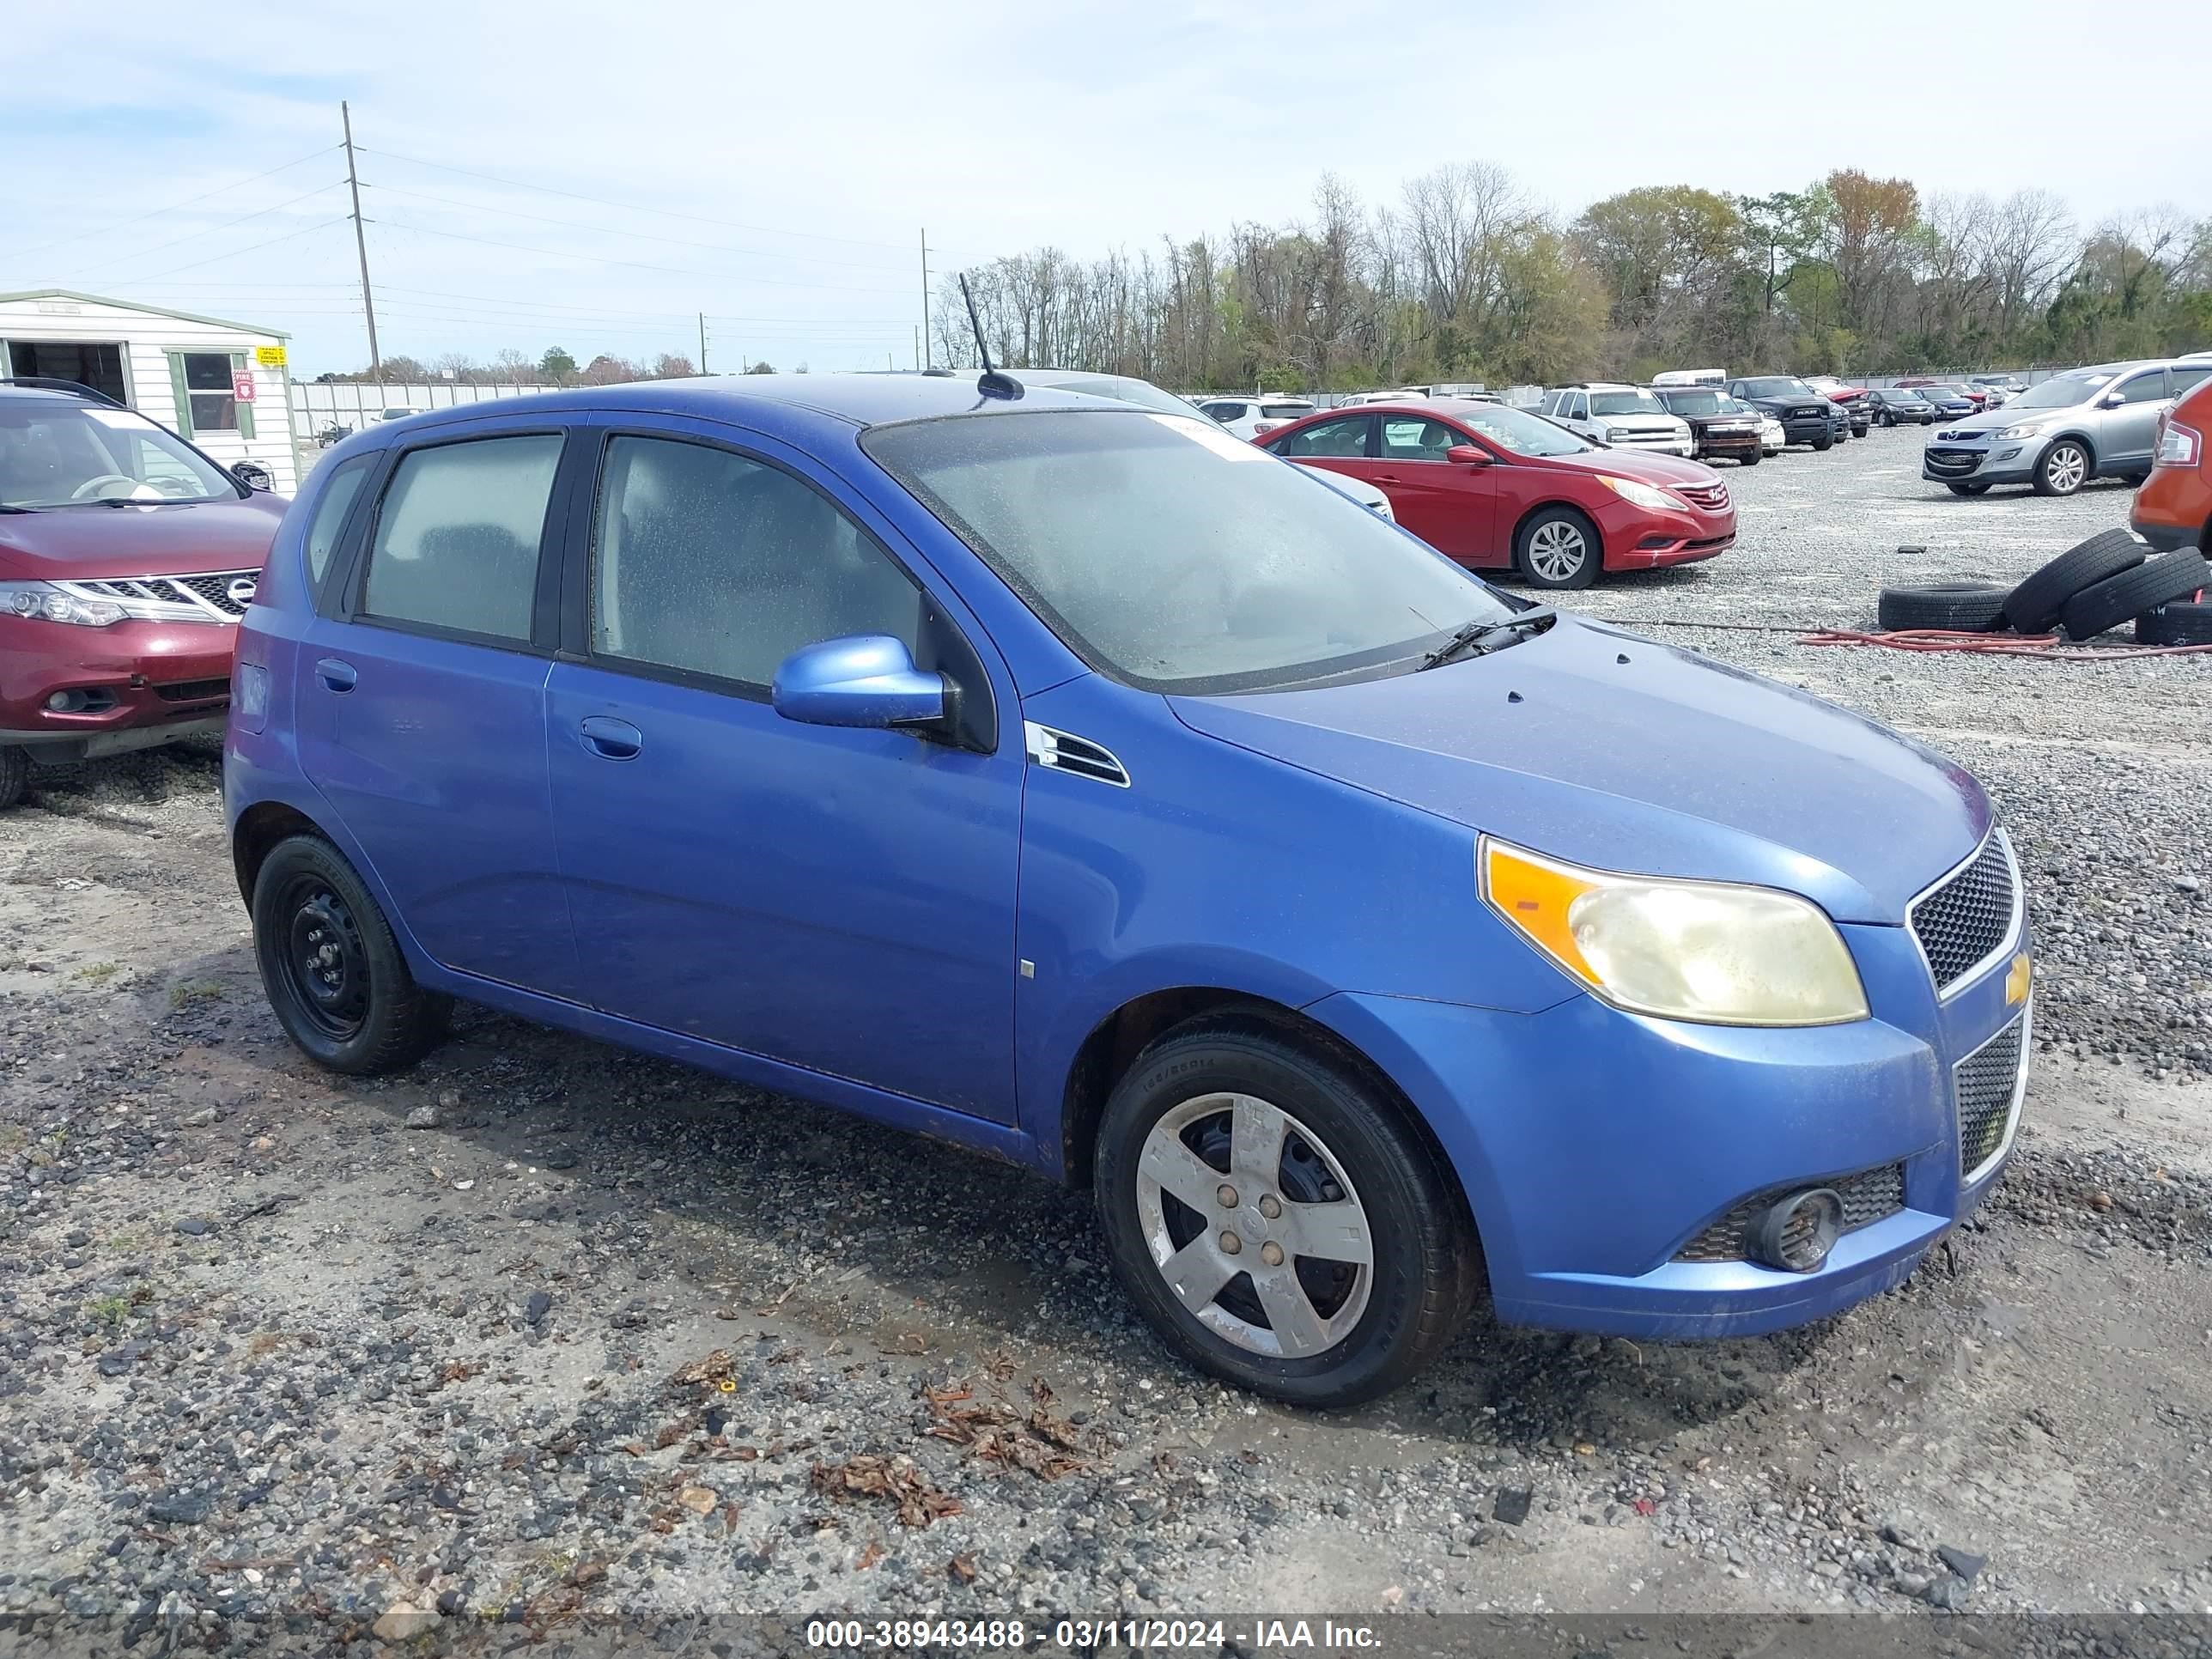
pixel 456 539
pixel 1345 440
pixel 2185 378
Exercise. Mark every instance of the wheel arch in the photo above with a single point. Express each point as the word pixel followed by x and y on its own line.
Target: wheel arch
pixel 1572 506
pixel 259 827
pixel 1119 1040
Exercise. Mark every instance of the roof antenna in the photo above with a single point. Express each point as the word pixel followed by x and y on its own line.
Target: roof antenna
pixel 991 383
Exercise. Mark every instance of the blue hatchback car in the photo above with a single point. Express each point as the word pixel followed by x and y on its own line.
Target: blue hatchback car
pixel 1078 783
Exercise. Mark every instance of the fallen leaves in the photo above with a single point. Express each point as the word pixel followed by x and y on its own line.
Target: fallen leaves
pixel 869 1556
pixel 1039 1442
pixel 962 1567
pixel 895 1479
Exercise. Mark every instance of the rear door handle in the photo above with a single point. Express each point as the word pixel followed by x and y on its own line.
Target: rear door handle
pixel 335 675
pixel 611 738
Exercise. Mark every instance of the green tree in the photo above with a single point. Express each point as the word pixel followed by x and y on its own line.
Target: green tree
pixel 557 366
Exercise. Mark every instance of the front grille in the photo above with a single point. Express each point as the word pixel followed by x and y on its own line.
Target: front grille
pixel 1954 461
pixel 1967 919
pixel 192 690
pixel 1869 1196
pixel 210 595
pixel 1809 414
pixel 1987 1085
pixel 1712 497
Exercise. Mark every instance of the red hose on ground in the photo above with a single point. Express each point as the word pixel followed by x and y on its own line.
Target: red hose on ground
pixel 1994 645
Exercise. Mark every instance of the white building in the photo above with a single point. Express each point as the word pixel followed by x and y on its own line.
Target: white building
pixel 221 384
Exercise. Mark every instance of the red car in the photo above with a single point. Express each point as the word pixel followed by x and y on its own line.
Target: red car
pixel 1978 395
pixel 126 559
pixel 1497 488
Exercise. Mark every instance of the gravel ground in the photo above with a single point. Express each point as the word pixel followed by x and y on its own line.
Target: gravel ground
pixel 544 1341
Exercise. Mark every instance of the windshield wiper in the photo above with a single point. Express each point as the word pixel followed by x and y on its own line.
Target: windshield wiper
pixel 1470 636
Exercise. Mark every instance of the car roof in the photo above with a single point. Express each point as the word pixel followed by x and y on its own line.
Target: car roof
pixel 860 400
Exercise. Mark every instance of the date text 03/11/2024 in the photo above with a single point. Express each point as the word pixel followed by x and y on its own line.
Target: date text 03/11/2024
pixel 1091 1635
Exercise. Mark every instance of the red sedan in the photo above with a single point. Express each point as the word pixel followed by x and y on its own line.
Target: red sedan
pixel 1497 488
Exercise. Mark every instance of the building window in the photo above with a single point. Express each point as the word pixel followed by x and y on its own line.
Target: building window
pixel 207 396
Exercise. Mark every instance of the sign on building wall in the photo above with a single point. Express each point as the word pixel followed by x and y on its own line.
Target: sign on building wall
pixel 241 385
pixel 268 356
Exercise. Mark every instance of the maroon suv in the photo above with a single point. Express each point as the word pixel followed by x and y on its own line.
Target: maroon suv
pixel 126 559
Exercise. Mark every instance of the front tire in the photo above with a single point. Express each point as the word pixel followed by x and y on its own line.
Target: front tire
pixel 1277 1220
pixel 1824 442
pixel 14 774
pixel 1752 459
pixel 1888 419
pixel 2063 469
pixel 1558 548
pixel 332 971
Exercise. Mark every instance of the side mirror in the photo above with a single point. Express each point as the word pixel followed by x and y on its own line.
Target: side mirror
pixel 2110 400
pixel 1467 455
pixel 254 476
pixel 867 679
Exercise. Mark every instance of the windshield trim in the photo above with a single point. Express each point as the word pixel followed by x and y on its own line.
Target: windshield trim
pixel 1371 664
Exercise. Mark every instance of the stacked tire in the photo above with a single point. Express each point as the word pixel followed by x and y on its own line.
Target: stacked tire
pixel 2106 582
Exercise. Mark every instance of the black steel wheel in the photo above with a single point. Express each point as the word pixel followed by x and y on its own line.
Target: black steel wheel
pixel 333 972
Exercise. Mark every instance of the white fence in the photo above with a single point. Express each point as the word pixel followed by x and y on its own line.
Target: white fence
pixel 355 402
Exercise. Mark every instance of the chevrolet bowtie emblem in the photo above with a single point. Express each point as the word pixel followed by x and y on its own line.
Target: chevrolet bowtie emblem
pixel 2017 978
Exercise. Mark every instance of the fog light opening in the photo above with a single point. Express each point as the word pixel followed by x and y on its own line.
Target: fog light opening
pixel 1796 1234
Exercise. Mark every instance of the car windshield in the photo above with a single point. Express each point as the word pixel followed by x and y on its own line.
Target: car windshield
pixel 1694 403
pixel 1777 385
pixel 1520 432
pixel 1735 406
pixel 1905 395
pixel 60 452
pixel 2063 390
pixel 1638 402
pixel 1171 556
pixel 1122 387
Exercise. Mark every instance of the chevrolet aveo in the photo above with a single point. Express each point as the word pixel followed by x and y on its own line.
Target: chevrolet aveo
pixel 1079 783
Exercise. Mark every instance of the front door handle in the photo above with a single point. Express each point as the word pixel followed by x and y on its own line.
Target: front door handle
pixel 335 675
pixel 611 738
pixel 1388 477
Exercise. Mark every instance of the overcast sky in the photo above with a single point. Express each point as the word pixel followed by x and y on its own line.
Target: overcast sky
pixel 774 165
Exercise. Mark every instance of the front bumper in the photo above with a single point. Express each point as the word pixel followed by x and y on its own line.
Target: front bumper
pixel 2010 461
pixel 1668 445
pixel 1805 429
pixel 143 683
pixel 1595 1144
pixel 1733 444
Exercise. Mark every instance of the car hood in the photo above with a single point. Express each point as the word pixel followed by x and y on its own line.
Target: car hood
pixel 185 538
pixel 1788 400
pixel 1632 463
pixel 1594 745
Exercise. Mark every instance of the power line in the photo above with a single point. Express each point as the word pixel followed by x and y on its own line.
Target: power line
pixel 194 236
pixel 633 207
pixel 636 264
pixel 157 213
pixel 319 224
pixel 636 235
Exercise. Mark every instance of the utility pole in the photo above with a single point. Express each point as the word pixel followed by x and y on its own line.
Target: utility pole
pixel 703 342
pixel 925 298
pixel 917 350
pixel 361 246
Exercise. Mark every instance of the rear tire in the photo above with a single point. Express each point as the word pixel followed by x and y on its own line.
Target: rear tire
pixel 15 773
pixel 2064 468
pixel 333 972
pixel 1558 548
pixel 1224 1107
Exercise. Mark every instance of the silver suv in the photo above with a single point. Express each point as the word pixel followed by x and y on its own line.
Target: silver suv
pixel 1626 417
pixel 2087 423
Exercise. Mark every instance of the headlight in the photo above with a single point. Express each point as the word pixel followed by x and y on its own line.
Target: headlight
pixel 1643 495
pixel 46 604
pixel 2025 429
pixel 1714 952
